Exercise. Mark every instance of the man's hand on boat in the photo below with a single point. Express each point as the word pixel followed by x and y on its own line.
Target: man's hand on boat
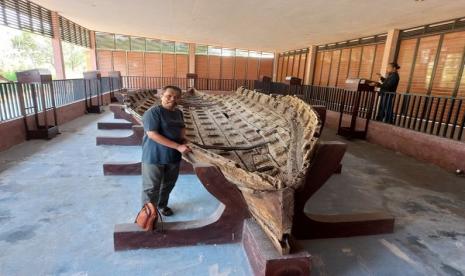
pixel 160 139
pixel 183 148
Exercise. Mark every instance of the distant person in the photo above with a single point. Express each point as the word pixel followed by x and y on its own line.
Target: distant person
pixel 388 87
pixel 162 147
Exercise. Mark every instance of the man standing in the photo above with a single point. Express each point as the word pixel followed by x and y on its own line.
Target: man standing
pixel 162 147
pixel 388 87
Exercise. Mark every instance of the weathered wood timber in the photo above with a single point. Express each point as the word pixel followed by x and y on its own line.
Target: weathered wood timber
pixel 259 155
pixel 262 144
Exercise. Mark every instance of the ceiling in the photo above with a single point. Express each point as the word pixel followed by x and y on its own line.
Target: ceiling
pixel 267 25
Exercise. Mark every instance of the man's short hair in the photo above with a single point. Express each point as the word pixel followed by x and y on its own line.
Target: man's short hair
pixel 395 65
pixel 172 87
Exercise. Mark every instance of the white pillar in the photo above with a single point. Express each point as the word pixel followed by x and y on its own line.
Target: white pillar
pixel 58 61
pixel 310 66
pixel 93 51
pixel 192 58
pixel 275 66
pixel 390 49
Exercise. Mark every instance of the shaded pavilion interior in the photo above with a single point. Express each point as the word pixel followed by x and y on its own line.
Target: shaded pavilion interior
pixel 58 210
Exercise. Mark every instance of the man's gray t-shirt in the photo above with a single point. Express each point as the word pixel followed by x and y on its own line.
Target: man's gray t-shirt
pixel 167 123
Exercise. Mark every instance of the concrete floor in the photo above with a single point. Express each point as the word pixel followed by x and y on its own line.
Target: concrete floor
pixel 57 213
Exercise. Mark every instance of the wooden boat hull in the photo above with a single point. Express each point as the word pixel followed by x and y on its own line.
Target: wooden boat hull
pixel 262 144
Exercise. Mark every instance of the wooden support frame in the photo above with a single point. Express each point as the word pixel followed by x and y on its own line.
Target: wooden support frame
pixel 93 80
pixel 230 223
pixel 115 80
pixel 40 84
pixel 120 113
pixel 315 226
pixel 351 131
pixel 223 226
pixel 114 125
pixel 265 259
pixel 135 139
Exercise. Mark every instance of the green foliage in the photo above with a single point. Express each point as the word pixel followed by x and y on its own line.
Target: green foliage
pixel 22 50
pixel 30 51
pixel 75 58
pixel 9 75
pixel 201 49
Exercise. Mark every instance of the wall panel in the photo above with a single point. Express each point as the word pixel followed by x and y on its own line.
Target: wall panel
pixel 378 61
pixel 461 91
pixel 266 67
pixel 449 63
pixel 295 67
pixel 424 64
pixel 302 66
pixel 201 66
pixel 318 67
pixel 182 65
pixel 343 67
pixel 153 64
pixel 241 68
pixel 214 67
pixel 290 66
pixel 333 74
pixel 227 67
pixel 252 68
pixel 326 68
pixel 136 64
pixel 168 63
pixel 368 57
pixel 119 62
pixel 104 62
pixel 405 61
pixel 354 66
pixel 280 68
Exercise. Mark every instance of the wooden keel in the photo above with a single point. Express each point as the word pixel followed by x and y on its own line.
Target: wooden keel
pixel 265 260
pixel 114 125
pixel 135 139
pixel 273 212
pixel 122 168
pixel 120 113
pixel 310 226
pixel 223 226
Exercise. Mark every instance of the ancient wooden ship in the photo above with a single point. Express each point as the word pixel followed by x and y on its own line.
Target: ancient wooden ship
pixel 263 144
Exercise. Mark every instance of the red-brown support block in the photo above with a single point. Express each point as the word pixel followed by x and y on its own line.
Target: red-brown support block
pixel 265 259
pixel 309 226
pixel 223 226
pixel 114 125
pixel 135 139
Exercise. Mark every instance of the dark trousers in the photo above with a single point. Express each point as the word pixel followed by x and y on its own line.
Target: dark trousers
pixel 158 182
pixel 385 113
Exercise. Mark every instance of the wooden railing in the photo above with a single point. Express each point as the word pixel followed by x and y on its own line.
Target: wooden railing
pixel 71 90
pixel 440 116
pixel 65 92
pixel 131 82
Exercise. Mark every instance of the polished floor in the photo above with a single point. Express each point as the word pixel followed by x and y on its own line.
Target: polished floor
pixel 57 213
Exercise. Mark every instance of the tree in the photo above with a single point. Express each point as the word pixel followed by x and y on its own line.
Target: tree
pixel 31 52
pixel 75 59
pixel 23 51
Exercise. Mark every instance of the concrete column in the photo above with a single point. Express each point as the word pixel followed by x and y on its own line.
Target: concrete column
pixel 93 51
pixel 275 66
pixel 310 66
pixel 192 58
pixel 390 49
pixel 58 61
